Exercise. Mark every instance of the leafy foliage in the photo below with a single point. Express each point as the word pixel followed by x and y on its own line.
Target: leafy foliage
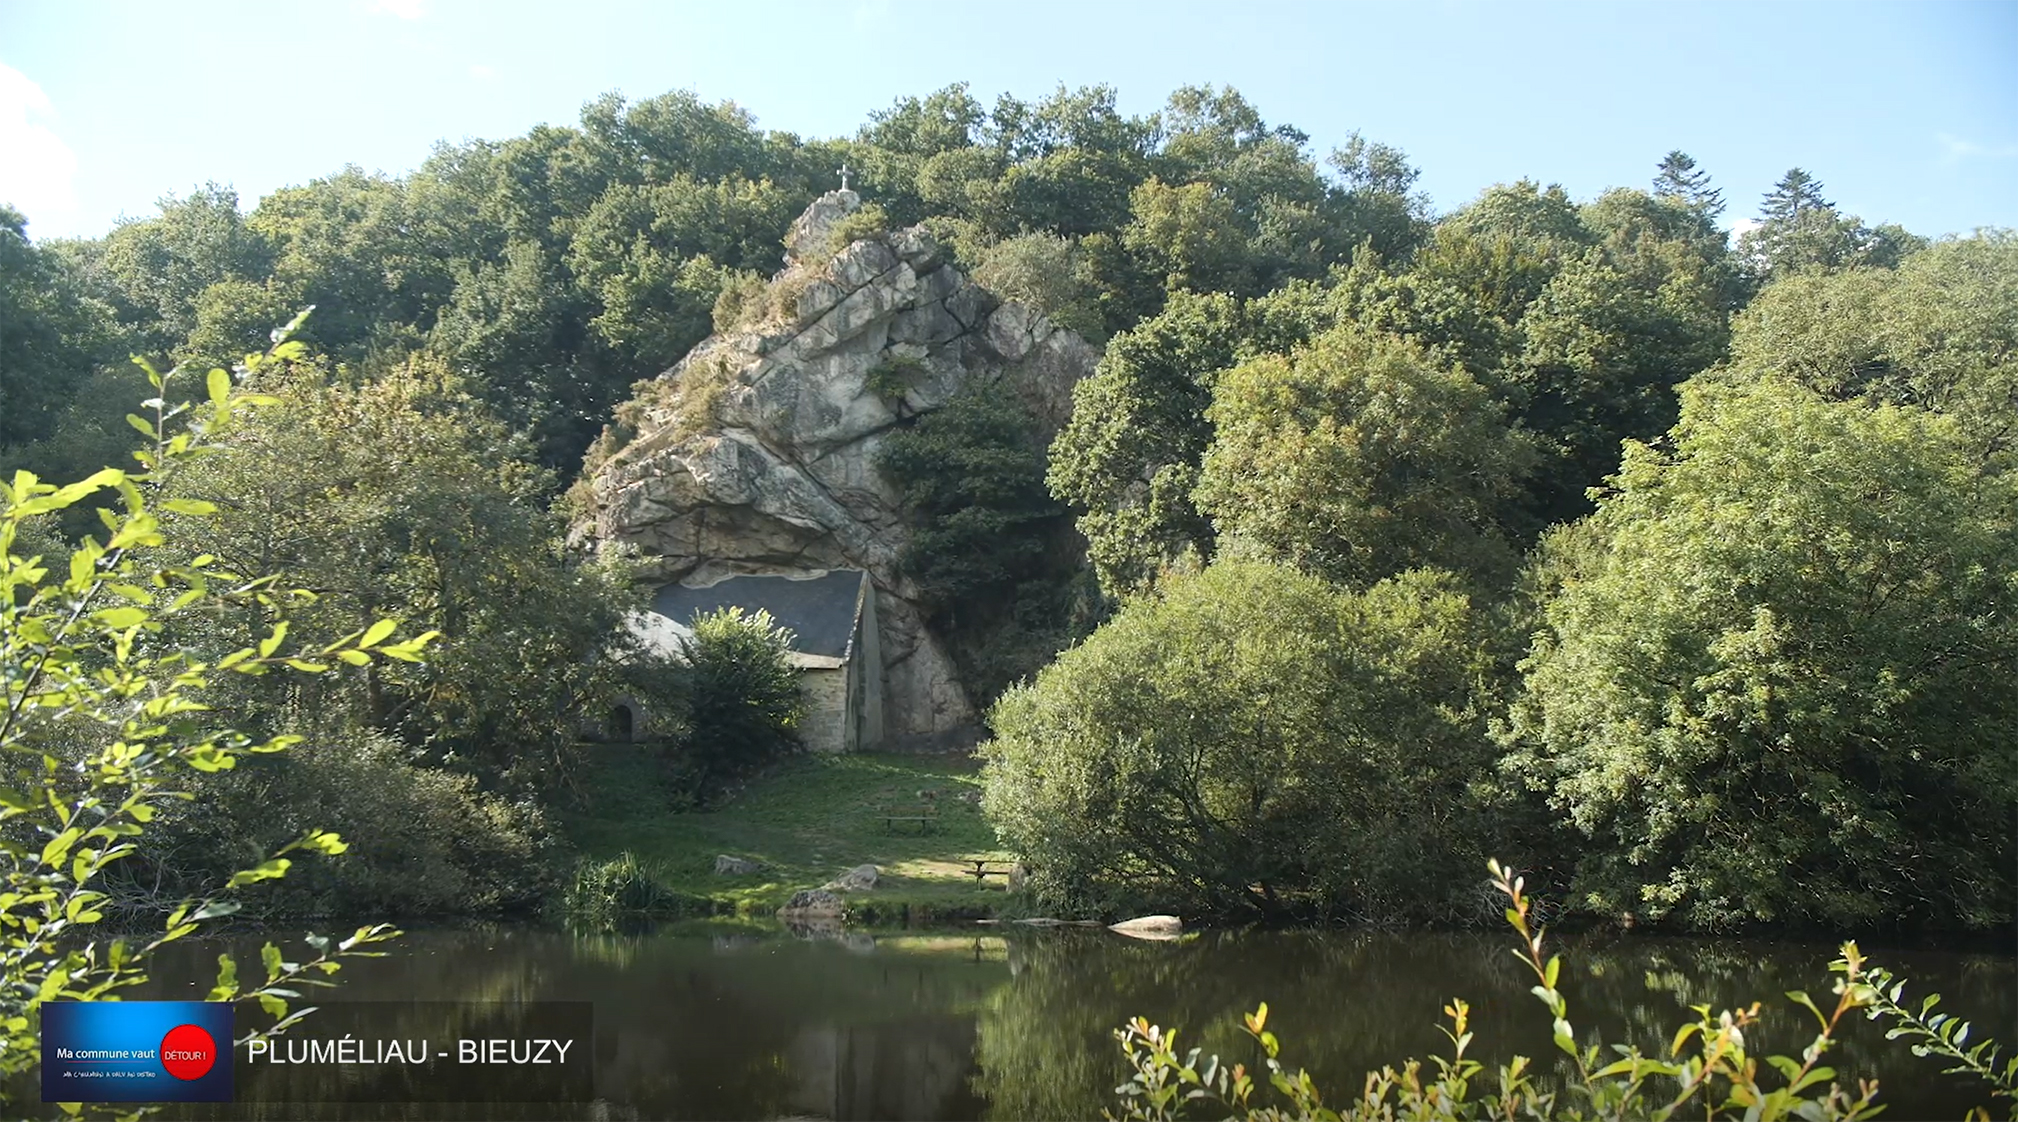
pixel 1128 459
pixel 741 697
pixel 419 504
pixel 1357 458
pixel 1190 752
pixel 1768 686
pixel 993 555
pixel 55 335
pixel 105 725
pixel 1939 332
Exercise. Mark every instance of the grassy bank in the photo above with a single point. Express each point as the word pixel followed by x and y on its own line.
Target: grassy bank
pixel 806 821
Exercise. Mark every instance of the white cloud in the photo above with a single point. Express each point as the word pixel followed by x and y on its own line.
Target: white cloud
pixel 1741 226
pixel 479 70
pixel 37 175
pixel 403 9
pixel 1955 148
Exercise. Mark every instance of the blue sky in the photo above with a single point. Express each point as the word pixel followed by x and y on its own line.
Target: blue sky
pixel 1907 112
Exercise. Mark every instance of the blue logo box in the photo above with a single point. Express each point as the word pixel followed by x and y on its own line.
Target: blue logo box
pixel 136 1051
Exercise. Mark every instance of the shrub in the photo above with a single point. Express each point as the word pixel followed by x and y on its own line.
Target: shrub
pixel 1045 272
pixel 424 841
pixel 868 221
pixel 608 894
pixel 742 293
pixel 742 702
pixel 894 375
pixel 1254 739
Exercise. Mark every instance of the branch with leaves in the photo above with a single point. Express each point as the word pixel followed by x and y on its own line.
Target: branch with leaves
pixel 105 721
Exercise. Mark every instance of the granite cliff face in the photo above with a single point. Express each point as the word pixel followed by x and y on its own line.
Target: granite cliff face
pixel 756 453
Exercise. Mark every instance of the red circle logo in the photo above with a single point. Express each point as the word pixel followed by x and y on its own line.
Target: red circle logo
pixel 188 1052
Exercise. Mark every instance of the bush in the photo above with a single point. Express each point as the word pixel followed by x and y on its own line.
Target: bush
pixel 423 841
pixel 869 221
pixel 1773 678
pixel 742 294
pixel 894 375
pixel 1252 739
pixel 1045 272
pixel 742 702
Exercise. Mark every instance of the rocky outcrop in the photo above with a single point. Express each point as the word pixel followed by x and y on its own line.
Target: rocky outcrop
pixel 757 452
pixel 727 866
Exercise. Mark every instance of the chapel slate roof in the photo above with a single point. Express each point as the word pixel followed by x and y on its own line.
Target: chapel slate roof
pixel 819 611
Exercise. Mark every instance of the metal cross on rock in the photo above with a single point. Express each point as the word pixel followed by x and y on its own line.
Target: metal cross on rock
pixel 844 175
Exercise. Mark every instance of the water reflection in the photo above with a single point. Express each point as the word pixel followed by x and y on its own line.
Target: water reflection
pixel 717 1023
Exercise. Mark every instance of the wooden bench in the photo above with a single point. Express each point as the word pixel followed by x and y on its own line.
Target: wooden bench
pixel 926 815
pixel 981 870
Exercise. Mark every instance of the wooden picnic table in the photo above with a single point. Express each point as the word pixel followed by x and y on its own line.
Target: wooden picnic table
pixel 925 815
pixel 981 870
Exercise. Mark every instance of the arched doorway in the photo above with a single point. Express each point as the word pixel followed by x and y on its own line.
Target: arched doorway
pixel 623 723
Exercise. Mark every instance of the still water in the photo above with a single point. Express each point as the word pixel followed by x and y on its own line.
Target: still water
pixel 728 1023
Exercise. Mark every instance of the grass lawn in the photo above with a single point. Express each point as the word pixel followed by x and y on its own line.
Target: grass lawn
pixel 807 821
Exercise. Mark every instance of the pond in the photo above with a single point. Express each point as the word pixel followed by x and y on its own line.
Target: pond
pixel 995 1024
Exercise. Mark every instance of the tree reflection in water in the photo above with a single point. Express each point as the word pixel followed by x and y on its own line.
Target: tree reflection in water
pixel 730 1023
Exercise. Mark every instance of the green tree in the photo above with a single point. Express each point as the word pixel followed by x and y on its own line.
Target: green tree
pixel 1940 332
pixel 1377 203
pixel 1251 739
pixel 1358 457
pixel 354 246
pixel 1581 320
pixel 993 554
pixel 53 336
pixel 1128 459
pixel 158 268
pixel 971 476
pixel 656 257
pixel 403 496
pixel 1769 686
pixel 1190 235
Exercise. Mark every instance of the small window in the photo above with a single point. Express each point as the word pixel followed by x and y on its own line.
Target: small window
pixel 623 724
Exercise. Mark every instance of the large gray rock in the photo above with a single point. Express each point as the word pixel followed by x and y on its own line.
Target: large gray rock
pixel 1149 927
pixel 780 476
pixel 811 906
pixel 727 866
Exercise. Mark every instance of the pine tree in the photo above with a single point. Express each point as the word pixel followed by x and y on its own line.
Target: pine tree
pixel 1680 179
pixel 1796 193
